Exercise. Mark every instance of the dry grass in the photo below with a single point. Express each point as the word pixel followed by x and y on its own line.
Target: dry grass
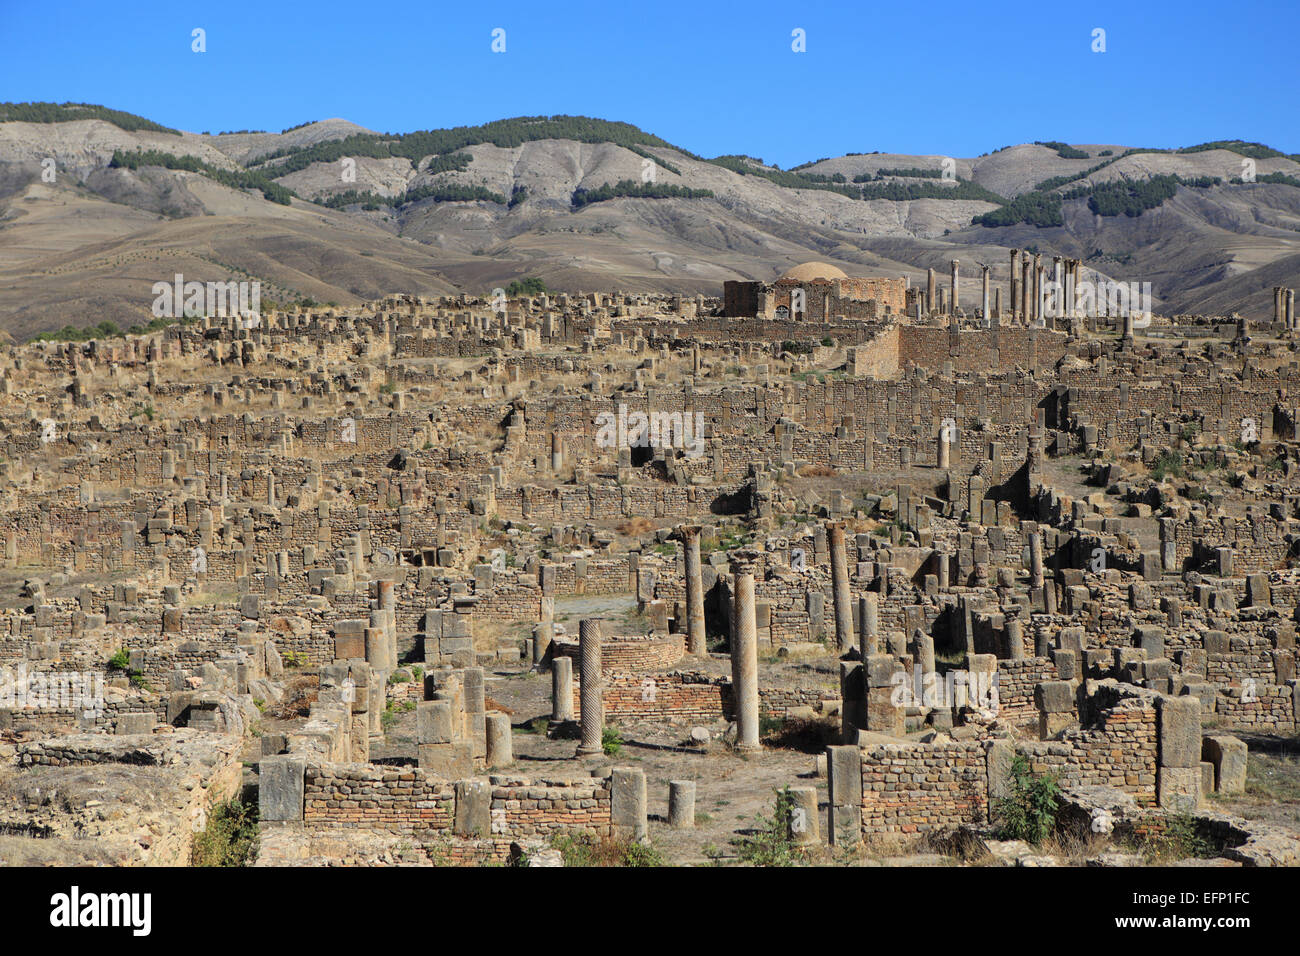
pixel 1075 848
pixel 299 695
pixel 635 526
pixel 817 471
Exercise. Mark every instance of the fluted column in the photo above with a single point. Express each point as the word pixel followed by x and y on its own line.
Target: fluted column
pixel 952 306
pixel 592 717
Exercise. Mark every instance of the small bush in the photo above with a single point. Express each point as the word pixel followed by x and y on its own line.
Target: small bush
pixel 611 741
pixel 230 836
pixel 771 845
pixel 1030 812
pixel 583 849
pixel 1166 465
pixel 1181 840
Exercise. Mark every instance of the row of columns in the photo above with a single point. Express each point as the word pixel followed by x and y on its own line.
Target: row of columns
pixel 1028 288
pixel 744 641
pixel 744 674
pixel 1284 306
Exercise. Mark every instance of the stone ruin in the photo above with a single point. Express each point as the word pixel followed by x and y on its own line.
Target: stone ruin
pixel 416 577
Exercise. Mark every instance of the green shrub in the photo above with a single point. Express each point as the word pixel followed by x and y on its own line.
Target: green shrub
pixel 611 741
pixel 770 844
pixel 1166 465
pixel 630 189
pixel 527 286
pixel 230 836
pixel 1029 813
pixel 584 850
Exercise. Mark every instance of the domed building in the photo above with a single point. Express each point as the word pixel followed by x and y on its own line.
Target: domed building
pixel 809 271
pixel 815 292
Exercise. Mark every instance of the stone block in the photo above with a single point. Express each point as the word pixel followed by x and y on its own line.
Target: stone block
pixel 1054 697
pixel 473 817
pixel 1178 789
pixel 1178 721
pixel 280 788
pixel 627 803
pixel 1228 757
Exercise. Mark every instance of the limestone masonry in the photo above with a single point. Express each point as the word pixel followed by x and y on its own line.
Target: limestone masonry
pixel 462 581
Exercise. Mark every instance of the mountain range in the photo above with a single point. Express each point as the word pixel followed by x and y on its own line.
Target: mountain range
pixel 97 205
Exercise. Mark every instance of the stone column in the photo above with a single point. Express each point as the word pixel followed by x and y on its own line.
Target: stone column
pixel 557 453
pixel 681 804
pixel 1015 639
pixel 627 803
pixel 1036 560
pixel 985 314
pixel 840 586
pixel 500 751
pixel 695 638
pixel 1038 287
pixel 803 815
pixel 475 708
pixel 1015 273
pixel 1058 290
pixel 744 660
pixel 1290 308
pixel 544 632
pixel 562 690
pixel 1026 289
pixel 869 625
pixel 929 290
pixel 1277 304
pixel 952 306
pixel 945 450
pixel 592 716
pixel 1072 286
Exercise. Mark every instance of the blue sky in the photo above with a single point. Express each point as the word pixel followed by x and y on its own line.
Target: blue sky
pixel 946 78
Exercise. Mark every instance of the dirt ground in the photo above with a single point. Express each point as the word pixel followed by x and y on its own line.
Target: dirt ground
pixel 732 789
pixel 1272 782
